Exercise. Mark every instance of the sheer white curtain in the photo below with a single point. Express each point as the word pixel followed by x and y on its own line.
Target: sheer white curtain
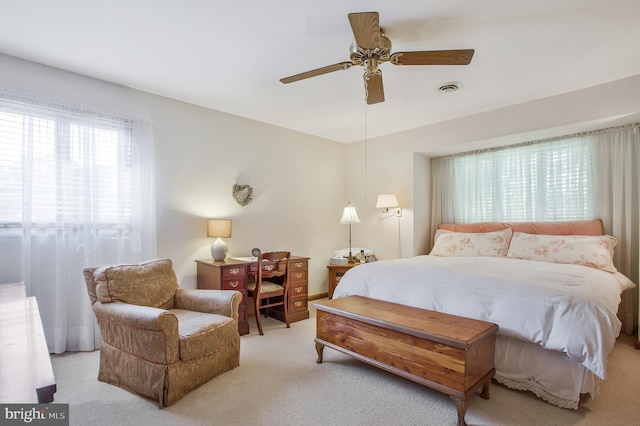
pixel 583 176
pixel 442 193
pixel 76 190
pixel 616 162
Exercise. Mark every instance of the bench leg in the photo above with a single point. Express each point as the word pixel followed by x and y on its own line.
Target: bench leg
pixel 319 348
pixel 461 406
pixel 485 390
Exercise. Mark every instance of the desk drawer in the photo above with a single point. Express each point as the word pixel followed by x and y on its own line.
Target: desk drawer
pixel 297 290
pixel 298 305
pixel 298 264
pixel 298 277
pixel 233 284
pixel 234 271
pixel 267 265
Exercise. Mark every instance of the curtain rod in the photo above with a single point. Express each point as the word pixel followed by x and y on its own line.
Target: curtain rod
pixel 45 103
pixel 552 139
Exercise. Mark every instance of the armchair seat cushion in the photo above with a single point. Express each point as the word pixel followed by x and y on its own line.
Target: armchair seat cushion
pixel 201 334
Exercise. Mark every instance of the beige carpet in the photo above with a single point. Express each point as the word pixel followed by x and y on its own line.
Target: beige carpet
pixel 279 383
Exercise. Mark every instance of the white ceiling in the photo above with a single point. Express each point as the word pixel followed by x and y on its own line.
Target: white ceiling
pixel 230 55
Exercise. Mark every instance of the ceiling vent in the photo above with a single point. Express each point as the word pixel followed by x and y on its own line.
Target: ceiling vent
pixel 449 87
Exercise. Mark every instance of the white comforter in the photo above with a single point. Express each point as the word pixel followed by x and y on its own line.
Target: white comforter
pixel 567 308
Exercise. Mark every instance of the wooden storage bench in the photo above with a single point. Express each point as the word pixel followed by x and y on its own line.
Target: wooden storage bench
pixel 448 353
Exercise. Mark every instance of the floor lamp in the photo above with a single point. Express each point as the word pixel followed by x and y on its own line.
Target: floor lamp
pixel 349 216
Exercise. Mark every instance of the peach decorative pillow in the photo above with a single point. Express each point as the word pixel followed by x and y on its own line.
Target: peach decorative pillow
pixel 592 251
pixel 493 244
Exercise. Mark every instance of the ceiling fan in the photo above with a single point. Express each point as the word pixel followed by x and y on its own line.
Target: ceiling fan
pixel 372 48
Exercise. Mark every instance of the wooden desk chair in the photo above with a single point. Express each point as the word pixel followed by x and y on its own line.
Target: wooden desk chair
pixel 271 285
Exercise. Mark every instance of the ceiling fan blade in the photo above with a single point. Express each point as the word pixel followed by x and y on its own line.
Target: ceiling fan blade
pixel 373 88
pixel 366 28
pixel 316 72
pixel 433 57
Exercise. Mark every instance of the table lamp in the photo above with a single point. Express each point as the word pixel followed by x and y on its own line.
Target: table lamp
pixel 349 216
pixel 219 229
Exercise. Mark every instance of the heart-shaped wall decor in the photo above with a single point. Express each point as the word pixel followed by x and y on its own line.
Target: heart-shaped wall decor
pixel 243 194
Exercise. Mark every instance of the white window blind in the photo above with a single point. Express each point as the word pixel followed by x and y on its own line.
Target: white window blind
pixel 548 181
pixel 61 169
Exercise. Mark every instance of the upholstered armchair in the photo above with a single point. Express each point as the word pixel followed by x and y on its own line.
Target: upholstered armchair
pixel 159 340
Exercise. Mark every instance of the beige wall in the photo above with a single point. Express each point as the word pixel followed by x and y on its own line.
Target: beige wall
pixel 296 181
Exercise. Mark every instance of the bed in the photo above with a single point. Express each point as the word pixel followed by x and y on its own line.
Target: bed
pixel 552 289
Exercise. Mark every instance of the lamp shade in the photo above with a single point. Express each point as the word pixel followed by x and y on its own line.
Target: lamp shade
pixel 386 201
pixel 349 215
pixel 219 228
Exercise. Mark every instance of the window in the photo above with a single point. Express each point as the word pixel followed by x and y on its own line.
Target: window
pixel 52 166
pixel 76 187
pixel 548 181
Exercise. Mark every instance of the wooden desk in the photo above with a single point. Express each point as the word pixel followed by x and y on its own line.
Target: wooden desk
pixel 233 274
pixel 26 374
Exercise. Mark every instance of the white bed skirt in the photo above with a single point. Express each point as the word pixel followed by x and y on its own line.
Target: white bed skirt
pixel 550 375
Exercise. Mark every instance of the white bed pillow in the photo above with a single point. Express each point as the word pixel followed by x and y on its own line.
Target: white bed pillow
pixel 471 244
pixel 592 251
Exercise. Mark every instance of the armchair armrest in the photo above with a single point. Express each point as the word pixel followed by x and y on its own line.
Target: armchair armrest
pixel 221 302
pixel 146 332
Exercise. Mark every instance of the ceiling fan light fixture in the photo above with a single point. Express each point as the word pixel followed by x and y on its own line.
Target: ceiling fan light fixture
pixel 452 86
pixel 371 65
pixel 382 52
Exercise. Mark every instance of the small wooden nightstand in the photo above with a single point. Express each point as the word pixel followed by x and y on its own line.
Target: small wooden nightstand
pixel 335 273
